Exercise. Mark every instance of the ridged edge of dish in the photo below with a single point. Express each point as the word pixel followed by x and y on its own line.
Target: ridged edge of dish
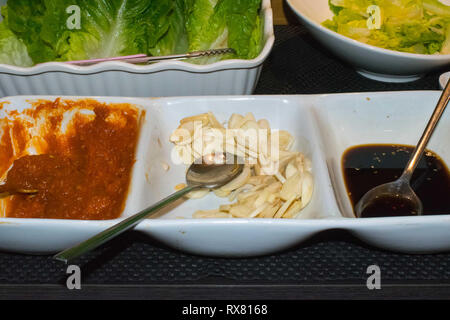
pixel 166 65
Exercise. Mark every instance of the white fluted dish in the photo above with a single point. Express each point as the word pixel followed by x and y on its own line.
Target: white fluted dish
pixel 169 78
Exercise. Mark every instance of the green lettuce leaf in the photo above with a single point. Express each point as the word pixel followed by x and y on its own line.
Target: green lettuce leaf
pixel 108 28
pixel 437 7
pixel 335 9
pixel 175 41
pixel 203 25
pixel 446 45
pixel 111 28
pixel 225 23
pixel 244 27
pixel 13 50
pixel 26 18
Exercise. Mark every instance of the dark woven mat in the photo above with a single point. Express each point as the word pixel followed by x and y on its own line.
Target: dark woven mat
pixel 298 64
pixel 331 257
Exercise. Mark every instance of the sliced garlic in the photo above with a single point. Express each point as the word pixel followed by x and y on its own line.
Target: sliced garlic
pixel 250 125
pixel 258 180
pixel 284 158
pixel 245 195
pixel 291 169
pixel 241 211
pixel 213 121
pixel 275 187
pixel 264 124
pixel 262 198
pixel 274 197
pixel 292 188
pixel 181 137
pixel 222 193
pixel 250 116
pixel 307 164
pixel 225 207
pixel 285 140
pixel 257 169
pixel 258 210
pixel 279 176
pixel 284 207
pixel 307 189
pixel 246 187
pixel 212 214
pixel 270 211
pixel 292 211
pixel 204 118
pixel 184 153
pixel 236 121
pixel 197 194
pixel 275 182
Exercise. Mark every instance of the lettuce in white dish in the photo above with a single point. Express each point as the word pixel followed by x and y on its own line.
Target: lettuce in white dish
pixel 109 28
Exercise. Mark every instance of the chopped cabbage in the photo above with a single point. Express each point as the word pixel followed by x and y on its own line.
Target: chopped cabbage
pixel 414 26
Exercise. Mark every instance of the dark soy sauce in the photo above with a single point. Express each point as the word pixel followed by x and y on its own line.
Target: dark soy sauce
pixel 389 206
pixel 368 166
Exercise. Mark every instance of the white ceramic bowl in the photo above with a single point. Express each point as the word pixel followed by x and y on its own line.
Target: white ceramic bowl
pixel 370 61
pixel 323 125
pixel 170 78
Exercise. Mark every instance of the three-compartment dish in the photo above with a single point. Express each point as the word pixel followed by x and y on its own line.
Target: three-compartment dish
pixel 96 160
pixel 323 126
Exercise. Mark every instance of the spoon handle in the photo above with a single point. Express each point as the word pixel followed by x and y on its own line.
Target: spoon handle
pixel 118 228
pixel 418 151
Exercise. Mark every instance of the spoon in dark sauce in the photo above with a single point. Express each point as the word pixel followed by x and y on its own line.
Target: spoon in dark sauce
pixel 398 198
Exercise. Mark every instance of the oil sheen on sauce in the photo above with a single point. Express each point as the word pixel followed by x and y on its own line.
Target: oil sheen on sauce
pixel 368 166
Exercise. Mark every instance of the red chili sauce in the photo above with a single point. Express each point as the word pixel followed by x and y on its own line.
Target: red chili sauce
pixel 84 170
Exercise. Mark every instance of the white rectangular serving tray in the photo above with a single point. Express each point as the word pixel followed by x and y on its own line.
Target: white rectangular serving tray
pixel 324 127
pixel 162 79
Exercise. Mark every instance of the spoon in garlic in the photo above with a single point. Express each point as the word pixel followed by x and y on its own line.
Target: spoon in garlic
pixel 213 171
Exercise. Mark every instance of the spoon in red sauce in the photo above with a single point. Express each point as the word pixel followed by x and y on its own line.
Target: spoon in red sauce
pixel 6 191
pixel 15 183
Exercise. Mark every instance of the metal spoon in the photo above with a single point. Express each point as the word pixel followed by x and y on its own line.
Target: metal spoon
pixel 6 191
pixel 400 189
pixel 214 171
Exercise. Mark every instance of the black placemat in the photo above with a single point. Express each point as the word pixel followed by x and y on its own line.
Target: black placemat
pixel 298 64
